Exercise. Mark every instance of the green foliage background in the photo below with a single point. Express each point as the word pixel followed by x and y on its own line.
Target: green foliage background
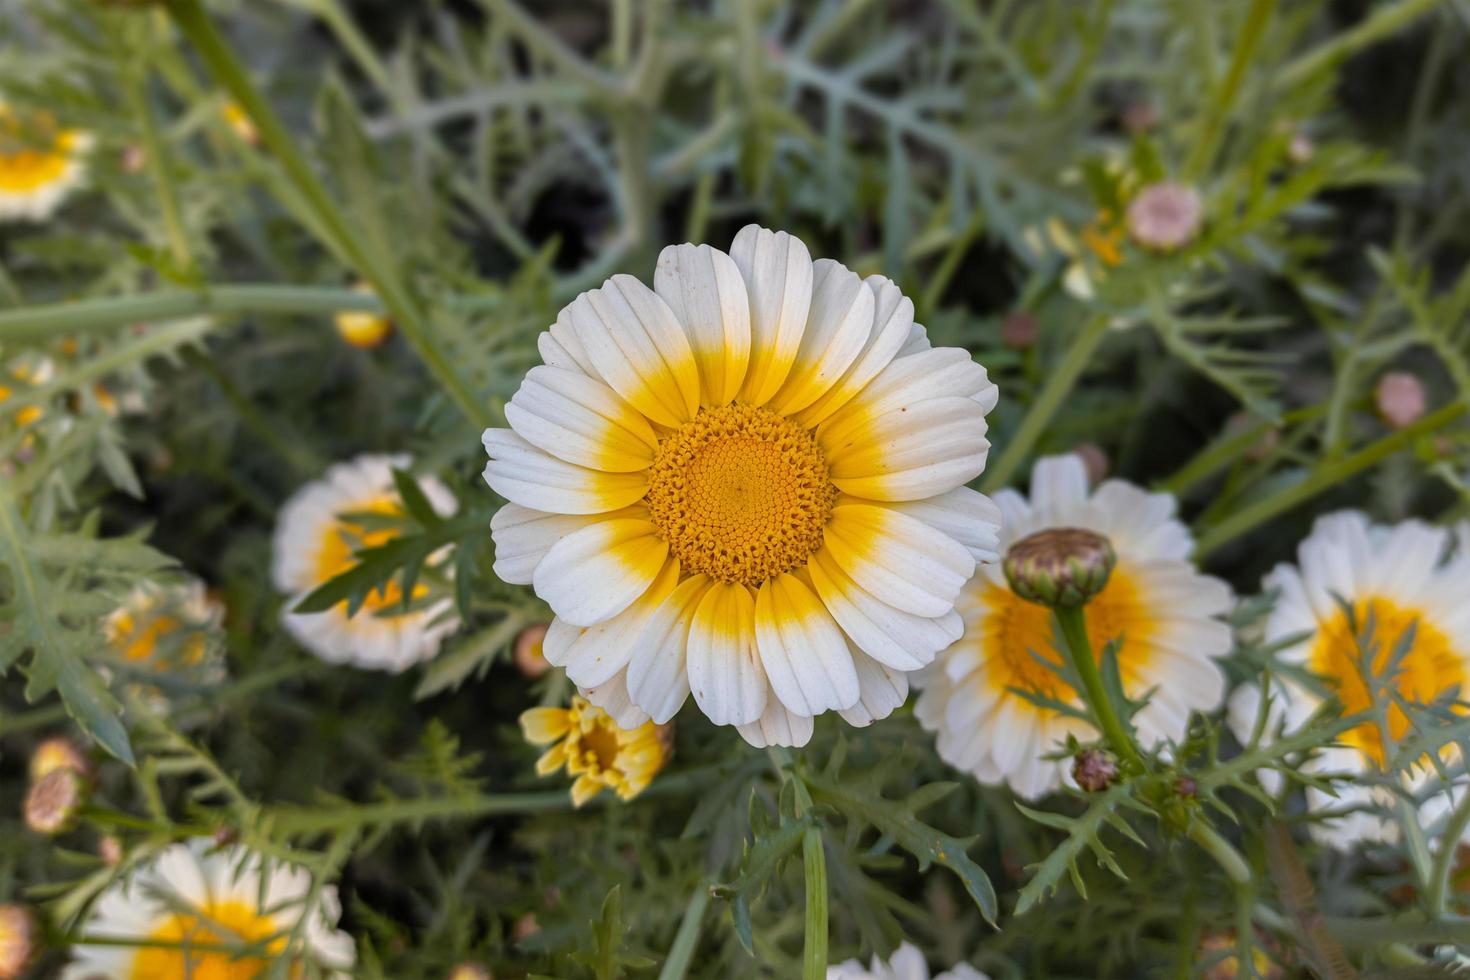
pixel 480 164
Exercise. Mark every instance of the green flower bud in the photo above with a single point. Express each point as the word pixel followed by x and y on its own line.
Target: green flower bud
pixel 1060 567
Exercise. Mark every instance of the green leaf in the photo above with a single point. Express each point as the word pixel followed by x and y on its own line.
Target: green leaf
pixel 1082 832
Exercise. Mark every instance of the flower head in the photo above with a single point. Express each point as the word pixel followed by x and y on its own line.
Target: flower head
pixel 1360 595
pixel 907 963
pixel 1094 770
pixel 1400 399
pixel 363 328
pixel 58 753
pixel 595 749
pixel 746 483
pixel 320 530
pixel 213 913
pixel 469 971
pixel 1059 566
pixel 53 803
pixel 164 627
pixel 20 940
pixel 1162 614
pixel 1165 217
pixel 40 164
pixel 1219 955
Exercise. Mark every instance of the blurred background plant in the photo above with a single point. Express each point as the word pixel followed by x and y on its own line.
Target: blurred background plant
pixel 1284 331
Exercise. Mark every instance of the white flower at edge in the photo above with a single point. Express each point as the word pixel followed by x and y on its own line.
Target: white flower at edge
pixel 1163 609
pixel 907 963
pixel 747 483
pixel 1399 574
pixel 40 164
pixel 313 544
pixel 192 893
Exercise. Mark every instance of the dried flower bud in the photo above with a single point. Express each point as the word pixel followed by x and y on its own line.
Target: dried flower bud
pixel 1400 399
pixel 110 850
pixel 529 659
pixel 20 940
pixel 1094 770
pixel 1165 217
pixel 59 753
pixel 1186 787
pixel 1094 461
pixel 1060 566
pixel 470 971
pixel 1019 330
pixel 525 927
pixel 54 803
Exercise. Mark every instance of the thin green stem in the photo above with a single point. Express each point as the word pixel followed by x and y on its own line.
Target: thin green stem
pixel 1444 861
pixel 135 84
pixel 1325 475
pixel 1381 23
pixel 1223 452
pixel 1058 385
pixel 814 862
pixel 1224 853
pixel 1079 649
pixel 686 940
pixel 1208 143
pixel 327 217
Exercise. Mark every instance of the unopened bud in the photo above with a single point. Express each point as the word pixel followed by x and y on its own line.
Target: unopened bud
pixel 1218 952
pixel 1140 117
pixel 20 940
pixel 1165 217
pixel 54 803
pixel 110 850
pixel 528 656
pixel 1094 770
pixel 1301 149
pixel 1400 399
pixel 364 329
pixel 1019 330
pixel 470 971
pixel 525 927
pixel 1059 567
pixel 59 753
pixel 1186 787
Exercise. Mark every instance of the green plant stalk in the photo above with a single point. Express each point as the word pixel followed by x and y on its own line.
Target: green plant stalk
pixel 1218 455
pixel 1208 143
pixel 1326 474
pixel 1383 22
pixel 1058 385
pixel 814 863
pixel 1079 651
pixel 47 321
pixel 1444 861
pixel 194 23
pixel 686 940
pixel 153 151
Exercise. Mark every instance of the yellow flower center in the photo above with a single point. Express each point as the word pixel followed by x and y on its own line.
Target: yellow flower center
pixel 1428 670
pixel 336 552
pixel 34 155
pixel 1016 632
pixel 193 951
pixel 136 634
pixel 741 494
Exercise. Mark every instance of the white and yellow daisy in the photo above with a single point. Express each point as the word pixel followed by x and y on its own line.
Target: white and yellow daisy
pixel 1399 577
pixel 40 164
pixel 162 627
pixel 906 963
pixel 748 483
pixel 221 914
pixel 316 540
pixel 1156 603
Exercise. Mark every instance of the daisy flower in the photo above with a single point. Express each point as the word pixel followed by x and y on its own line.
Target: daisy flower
pixel 907 963
pixel 213 913
pixel 748 483
pixel 40 164
pixel 596 750
pixel 162 626
pixel 27 373
pixel 316 539
pixel 1399 578
pixel 1161 609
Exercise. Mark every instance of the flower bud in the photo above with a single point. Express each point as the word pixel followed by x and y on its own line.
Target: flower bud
pixel 529 659
pixel 20 940
pixel 1094 770
pixel 110 850
pixel 54 802
pixel 1217 953
pixel 1059 567
pixel 1019 330
pixel 525 927
pixel 1399 398
pixel 1165 217
pixel 1186 787
pixel 363 329
pixel 1301 149
pixel 470 971
pixel 59 753
pixel 1140 117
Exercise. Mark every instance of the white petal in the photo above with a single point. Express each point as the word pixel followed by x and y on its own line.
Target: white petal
pixel 893 319
pixel 778 725
pixel 593 574
pixel 724 669
pixel 703 287
pixel 593 654
pixel 921 450
pixel 525 475
pixel 613 698
pixel 523 536
pixel 777 270
pixel 572 417
pixel 881 690
pixel 837 329
pixel 803 651
pixel 899 639
pixel 899 559
pixel 966 515
pixel 658 681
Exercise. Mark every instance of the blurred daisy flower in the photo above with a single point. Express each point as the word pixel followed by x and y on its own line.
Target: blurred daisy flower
pixel 1353 574
pixel 24 373
pixel 318 533
pixel 40 164
pixel 906 963
pixel 212 913
pixel 747 482
pixel 162 626
pixel 362 328
pixel 1164 612
pixel 595 749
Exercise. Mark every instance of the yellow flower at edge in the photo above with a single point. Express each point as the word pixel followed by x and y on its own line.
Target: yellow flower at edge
pixel 363 328
pixel 592 747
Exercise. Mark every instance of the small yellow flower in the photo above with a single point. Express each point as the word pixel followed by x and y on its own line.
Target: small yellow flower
pixel 585 740
pixel 362 328
pixel 162 626
pixel 240 122
pixel 39 164
pixel 1218 955
pixel 22 376
pixel 58 753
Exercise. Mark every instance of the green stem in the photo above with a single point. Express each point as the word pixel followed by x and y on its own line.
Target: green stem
pixel 814 862
pixel 1224 853
pixel 1324 476
pixel 1208 143
pixel 1383 22
pixel 33 323
pixel 1444 861
pixel 1058 385
pixel 1223 452
pixel 1079 650
pixel 686 940
pixel 178 239
pixel 195 24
